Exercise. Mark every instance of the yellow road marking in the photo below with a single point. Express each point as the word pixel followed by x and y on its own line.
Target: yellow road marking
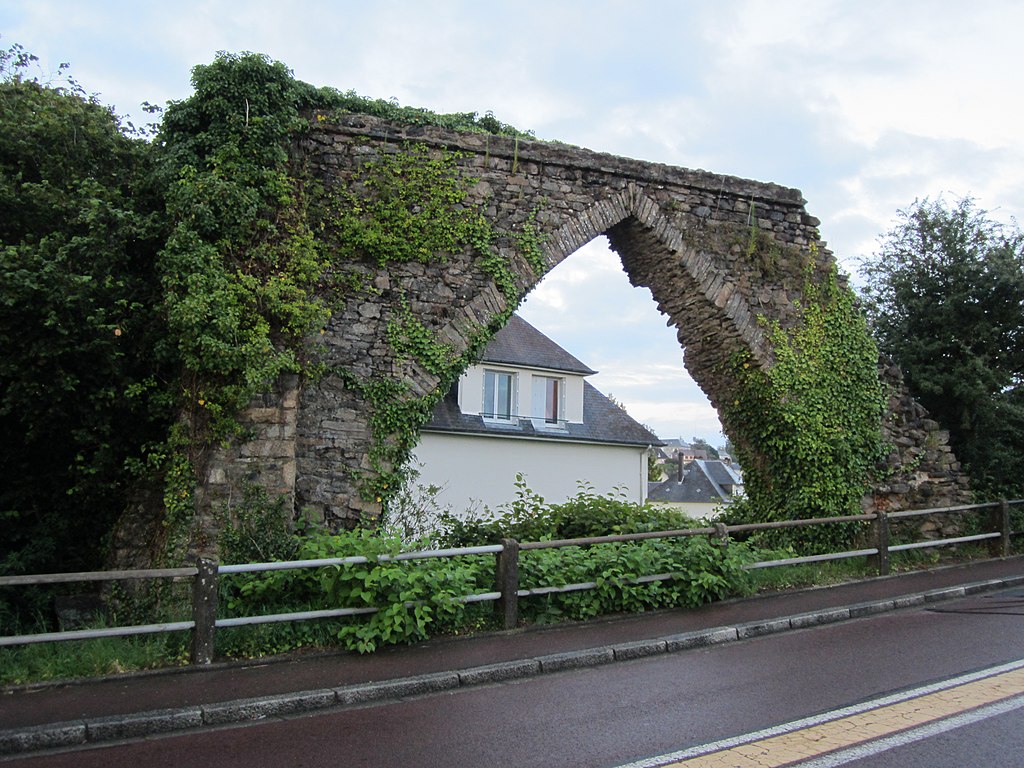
pixel 816 740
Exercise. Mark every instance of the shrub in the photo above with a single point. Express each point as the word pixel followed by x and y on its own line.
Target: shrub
pixel 419 598
pixel 530 518
pixel 416 598
pixel 702 572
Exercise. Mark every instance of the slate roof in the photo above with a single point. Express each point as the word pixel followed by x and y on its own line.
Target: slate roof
pixel 703 483
pixel 603 422
pixel 676 442
pixel 519 343
pixel 721 473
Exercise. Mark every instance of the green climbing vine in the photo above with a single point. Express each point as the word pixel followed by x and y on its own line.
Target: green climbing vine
pixel 254 243
pixel 412 205
pixel 240 267
pixel 396 412
pixel 529 241
pixel 408 337
pixel 409 205
pixel 809 426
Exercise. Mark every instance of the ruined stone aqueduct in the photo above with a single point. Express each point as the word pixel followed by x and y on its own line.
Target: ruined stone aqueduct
pixel 679 232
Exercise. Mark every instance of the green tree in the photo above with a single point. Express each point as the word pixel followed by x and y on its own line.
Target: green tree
pixel 78 235
pixel 701 443
pixel 945 298
pixel 654 469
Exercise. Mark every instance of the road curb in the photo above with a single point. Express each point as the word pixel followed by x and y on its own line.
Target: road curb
pixel 76 733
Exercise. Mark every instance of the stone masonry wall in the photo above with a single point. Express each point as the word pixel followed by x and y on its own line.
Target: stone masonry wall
pixel 266 460
pixel 717 253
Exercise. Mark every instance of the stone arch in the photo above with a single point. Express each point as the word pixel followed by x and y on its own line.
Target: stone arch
pixel 717 252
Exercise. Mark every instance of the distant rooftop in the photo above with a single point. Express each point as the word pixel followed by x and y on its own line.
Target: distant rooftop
pixel 706 481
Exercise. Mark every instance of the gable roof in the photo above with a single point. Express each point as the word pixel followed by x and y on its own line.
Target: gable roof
pixel 721 473
pixel 603 422
pixel 519 343
pixel 704 483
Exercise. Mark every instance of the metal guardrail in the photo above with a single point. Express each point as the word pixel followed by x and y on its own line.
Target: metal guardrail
pixel 205 574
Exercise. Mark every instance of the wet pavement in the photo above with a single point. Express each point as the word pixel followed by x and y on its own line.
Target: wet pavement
pixel 78 712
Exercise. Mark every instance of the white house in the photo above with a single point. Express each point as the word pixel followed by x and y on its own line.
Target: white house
pixel 526 408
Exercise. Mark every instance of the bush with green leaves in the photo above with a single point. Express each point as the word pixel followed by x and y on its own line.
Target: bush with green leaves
pixel 419 598
pixel 701 572
pixel 257 529
pixel 81 222
pixel 530 518
pixel 415 598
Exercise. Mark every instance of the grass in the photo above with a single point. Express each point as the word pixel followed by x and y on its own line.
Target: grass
pixel 71 659
pixel 858 568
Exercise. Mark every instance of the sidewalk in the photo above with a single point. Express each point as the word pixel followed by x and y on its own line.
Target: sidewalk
pixel 68 714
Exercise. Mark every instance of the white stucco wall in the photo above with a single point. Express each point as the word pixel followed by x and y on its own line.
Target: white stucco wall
pixel 478 471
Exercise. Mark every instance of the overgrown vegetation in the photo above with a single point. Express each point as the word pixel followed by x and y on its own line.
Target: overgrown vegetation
pixel 419 598
pixel 79 340
pixel 154 284
pixel 811 422
pixel 529 518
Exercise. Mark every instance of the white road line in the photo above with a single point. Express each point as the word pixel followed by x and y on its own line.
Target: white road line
pixel 825 717
pixel 915 734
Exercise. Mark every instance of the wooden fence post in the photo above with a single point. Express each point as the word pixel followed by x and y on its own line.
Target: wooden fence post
pixel 507 577
pixel 204 611
pixel 721 535
pixel 881 526
pixel 1001 520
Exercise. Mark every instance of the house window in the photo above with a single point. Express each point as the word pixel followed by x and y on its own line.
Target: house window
pixel 548 399
pixel 499 395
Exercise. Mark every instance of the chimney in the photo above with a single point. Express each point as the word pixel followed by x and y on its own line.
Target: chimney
pixel 682 472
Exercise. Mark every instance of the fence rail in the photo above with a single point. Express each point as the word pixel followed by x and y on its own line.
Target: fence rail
pixel 205 574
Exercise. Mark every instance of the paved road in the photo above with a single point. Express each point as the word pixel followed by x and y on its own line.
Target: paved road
pixel 615 714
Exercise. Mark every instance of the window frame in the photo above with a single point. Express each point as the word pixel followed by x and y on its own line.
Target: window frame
pixel 491 387
pixel 554 394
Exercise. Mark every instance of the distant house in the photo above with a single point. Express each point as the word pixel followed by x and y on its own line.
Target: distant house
pixel 675 448
pixel 699 488
pixel 526 408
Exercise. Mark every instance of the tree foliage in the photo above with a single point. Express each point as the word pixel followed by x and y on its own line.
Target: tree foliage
pixel 702 444
pixel 945 298
pixel 79 229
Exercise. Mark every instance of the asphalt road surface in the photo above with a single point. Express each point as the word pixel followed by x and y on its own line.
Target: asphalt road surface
pixel 631 713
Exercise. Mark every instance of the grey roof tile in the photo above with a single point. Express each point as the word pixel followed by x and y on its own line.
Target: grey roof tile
pixel 703 483
pixel 519 343
pixel 603 422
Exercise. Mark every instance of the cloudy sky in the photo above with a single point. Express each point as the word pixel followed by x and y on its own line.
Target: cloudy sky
pixel 864 105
